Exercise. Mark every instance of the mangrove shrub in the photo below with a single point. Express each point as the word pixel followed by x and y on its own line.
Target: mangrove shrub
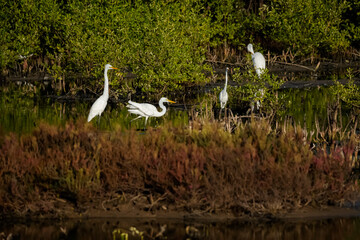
pixel 164 44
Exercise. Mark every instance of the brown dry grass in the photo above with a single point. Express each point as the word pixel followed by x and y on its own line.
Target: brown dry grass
pixel 252 169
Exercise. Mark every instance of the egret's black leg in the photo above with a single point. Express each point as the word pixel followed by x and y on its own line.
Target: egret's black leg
pixel 99 121
pixel 108 119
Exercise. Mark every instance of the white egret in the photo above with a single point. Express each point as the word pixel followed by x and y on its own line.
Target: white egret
pixel 258 104
pixel 259 65
pixel 223 97
pixel 147 110
pixel 258 60
pixel 99 105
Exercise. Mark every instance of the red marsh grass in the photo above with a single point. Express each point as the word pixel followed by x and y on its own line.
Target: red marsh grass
pixel 254 170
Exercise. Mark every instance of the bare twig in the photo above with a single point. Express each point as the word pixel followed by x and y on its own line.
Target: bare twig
pixel 300 66
pixel 225 63
pixel 153 203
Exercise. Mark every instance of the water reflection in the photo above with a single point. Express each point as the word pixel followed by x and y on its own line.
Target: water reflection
pixel 22 114
pixel 25 114
pixel 342 228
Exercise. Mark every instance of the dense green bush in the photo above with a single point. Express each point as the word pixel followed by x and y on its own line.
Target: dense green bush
pixel 27 27
pixel 349 92
pixel 317 28
pixel 307 26
pixel 164 43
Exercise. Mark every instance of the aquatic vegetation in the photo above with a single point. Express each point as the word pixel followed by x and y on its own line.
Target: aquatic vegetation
pixel 255 169
pixel 348 92
pixel 264 90
pixel 254 164
pixel 122 235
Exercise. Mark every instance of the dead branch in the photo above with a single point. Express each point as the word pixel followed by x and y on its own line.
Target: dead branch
pixel 300 66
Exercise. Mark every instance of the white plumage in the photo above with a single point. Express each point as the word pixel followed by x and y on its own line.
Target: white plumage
pixel 147 110
pixel 258 60
pixel 259 65
pixel 99 105
pixel 223 97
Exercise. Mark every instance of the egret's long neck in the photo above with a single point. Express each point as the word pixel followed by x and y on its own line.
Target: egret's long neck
pixel 226 78
pixel 163 108
pixel 106 84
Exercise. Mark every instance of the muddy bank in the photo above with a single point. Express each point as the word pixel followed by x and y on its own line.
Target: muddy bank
pixel 65 210
pixel 331 226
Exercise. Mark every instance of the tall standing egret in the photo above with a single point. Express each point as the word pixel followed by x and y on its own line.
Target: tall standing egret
pixel 147 110
pixel 99 105
pixel 258 60
pixel 259 65
pixel 223 97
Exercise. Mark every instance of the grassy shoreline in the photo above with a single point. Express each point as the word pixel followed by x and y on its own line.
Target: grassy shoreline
pixel 256 170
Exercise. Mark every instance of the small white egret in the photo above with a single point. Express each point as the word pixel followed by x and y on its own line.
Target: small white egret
pixel 258 60
pixel 258 103
pixel 259 65
pixel 223 97
pixel 99 105
pixel 147 110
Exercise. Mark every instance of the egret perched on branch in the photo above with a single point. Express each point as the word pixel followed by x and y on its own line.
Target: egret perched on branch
pixel 258 60
pixel 99 105
pixel 223 97
pixel 259 65
pixel 147 110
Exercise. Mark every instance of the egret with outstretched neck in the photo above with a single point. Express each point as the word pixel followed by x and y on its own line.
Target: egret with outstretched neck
pixel 147 110
pixel 99 105
pixel 223 97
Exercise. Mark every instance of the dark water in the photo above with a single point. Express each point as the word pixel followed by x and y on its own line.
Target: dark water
pixel 337 229
pixel 21 113
pixel 24 114
pixel 305 97
pixel 310 106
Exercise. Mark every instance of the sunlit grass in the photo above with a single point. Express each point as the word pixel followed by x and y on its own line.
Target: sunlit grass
pixel 207 165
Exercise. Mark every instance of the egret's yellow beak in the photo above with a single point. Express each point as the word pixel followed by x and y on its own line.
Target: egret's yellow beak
pixel 113 68
pixel 171 101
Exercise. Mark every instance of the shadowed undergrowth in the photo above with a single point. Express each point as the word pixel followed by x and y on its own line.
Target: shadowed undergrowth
pixel 254 170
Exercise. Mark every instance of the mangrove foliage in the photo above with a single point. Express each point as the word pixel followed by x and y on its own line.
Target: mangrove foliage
pixel 165 45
